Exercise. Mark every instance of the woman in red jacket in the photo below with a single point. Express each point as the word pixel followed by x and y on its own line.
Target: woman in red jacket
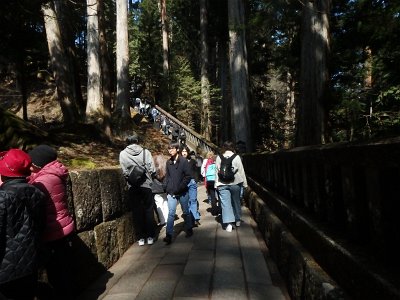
pixel 50 176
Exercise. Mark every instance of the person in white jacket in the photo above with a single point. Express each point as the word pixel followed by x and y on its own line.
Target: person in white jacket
pixel 229 192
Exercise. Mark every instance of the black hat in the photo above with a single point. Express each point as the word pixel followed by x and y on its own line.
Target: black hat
pixel 42 155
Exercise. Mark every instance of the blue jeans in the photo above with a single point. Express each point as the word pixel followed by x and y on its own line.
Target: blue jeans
pixel 229 197
pixel 172 203
pixel 193 199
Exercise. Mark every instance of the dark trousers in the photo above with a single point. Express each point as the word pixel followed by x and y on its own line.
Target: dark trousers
pixel 143 211
pixel 19 289
pixel 58 262
pixel 215 210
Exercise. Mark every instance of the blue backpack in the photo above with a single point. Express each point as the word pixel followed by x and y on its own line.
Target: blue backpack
pixel 210 172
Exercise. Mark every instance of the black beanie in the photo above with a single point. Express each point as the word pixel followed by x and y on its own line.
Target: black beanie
pixel 42 155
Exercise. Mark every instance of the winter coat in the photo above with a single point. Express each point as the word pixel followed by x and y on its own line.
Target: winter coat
pixel 21 222
pixel 131 156
pixel 52 181
pixel 177 177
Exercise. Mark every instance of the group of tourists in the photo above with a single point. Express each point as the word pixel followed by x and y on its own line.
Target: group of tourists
pixel 36 228
pixel 165 182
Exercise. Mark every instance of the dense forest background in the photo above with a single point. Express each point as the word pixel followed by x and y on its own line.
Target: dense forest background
pixel 274 74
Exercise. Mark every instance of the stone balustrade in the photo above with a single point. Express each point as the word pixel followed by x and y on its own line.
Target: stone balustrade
pixel 340 201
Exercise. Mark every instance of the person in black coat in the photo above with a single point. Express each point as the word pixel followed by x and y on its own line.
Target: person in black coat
pixel 21 222
pixel 176 185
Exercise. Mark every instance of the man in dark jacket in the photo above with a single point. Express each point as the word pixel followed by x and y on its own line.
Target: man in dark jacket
pixel 176 185
pixel 21 222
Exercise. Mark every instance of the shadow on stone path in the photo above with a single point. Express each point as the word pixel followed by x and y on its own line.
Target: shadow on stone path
pixel 212 264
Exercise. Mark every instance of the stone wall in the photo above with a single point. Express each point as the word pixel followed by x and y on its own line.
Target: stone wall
pixel 104 222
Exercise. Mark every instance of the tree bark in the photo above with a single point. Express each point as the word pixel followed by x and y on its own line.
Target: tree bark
pixel 122 111
pixel 63 12
pixel 60 64
pixel 239 73
pixel 105 64
pixel 314 77
pixel 94 104
pixel 163 5
pixel 223 68
pixel 205 82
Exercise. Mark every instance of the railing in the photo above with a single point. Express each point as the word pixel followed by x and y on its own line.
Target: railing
pixel 192 137
pixel 351 191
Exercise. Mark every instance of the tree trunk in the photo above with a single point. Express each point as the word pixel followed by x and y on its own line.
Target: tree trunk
pixel 205 83
pixel 164 27
pixel 225 119
pixel 63 12
pixel 21 84
pixel 60 65
pixel 239 73
pixel 314 78
pixel 94 104
pixel 290 111
pixel 122 111
pixel 105 71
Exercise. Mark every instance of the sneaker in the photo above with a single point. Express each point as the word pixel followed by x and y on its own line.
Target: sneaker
pixel 141 242
pixel 150 241
pixel 167 239
pixel 238 223
pixel 229 228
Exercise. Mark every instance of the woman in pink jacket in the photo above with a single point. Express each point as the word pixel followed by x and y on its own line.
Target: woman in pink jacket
pixel 50 176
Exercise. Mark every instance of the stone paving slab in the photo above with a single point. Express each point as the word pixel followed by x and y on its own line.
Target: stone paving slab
pixel 212 264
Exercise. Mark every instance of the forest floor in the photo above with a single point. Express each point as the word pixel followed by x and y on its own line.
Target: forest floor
pixel 81 146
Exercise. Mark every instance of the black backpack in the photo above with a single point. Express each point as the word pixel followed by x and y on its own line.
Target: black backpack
pixel 137 176
pixel 225 172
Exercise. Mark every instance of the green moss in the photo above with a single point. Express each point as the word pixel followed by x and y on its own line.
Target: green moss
pixel 81 163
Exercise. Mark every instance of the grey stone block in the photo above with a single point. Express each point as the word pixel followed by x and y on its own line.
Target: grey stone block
pixel 110 192
pixel 87 199
pixel 107 243
pixel 86 267
pixel 125 232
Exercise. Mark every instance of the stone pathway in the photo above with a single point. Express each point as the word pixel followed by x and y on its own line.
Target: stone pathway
pixel 212 264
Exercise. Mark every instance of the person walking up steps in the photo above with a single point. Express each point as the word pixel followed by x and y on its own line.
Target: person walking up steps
pixel 160 197
pixel 230 177
pixel 134 157
pixel 193 205
pixel 209 172
pixel 176 183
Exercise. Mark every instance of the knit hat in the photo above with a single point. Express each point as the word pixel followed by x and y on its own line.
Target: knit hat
pixel 15 163
pixel 42 155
